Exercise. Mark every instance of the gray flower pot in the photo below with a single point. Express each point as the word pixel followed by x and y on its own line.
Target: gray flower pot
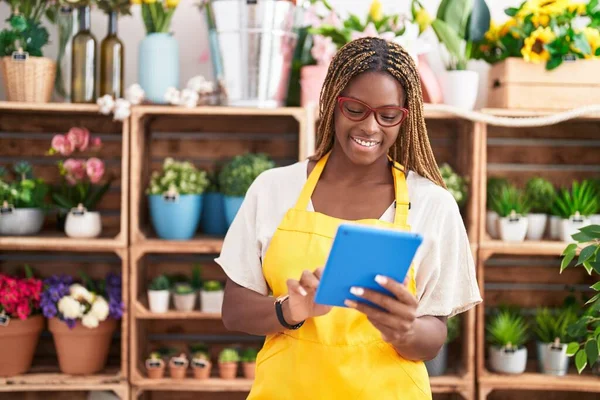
pixel 21 222
pixel 553 359
pixel 438 365
pixel 508 361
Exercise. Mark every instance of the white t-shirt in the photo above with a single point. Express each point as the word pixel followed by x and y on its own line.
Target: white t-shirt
pixel 444 266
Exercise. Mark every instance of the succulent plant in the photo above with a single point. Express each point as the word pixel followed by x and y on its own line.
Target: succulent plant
pixel 161 282
pixel 180 177
pixel 212 286
pixel 582 199
pixel 238 174
pixel 507 329
pixel 494 187
pixel 540 195
pixel 510 199
pixel 229 355
pixel 249 355
pixel 183 289
pixel 455 183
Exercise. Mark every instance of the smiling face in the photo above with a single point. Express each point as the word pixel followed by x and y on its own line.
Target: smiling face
pixel 364 142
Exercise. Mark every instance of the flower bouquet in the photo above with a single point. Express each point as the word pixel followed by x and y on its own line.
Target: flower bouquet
pixel 82 318
pixel 20 321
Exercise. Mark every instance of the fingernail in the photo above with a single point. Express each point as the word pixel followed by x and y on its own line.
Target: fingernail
pixel 382 280
pixel 357 291
pixel 350 303
pixel 302 291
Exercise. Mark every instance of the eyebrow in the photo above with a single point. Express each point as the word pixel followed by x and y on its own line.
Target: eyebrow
pixel 386 105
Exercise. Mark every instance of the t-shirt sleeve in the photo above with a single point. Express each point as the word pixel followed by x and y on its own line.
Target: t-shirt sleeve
pixel 240 255
pixel 446 278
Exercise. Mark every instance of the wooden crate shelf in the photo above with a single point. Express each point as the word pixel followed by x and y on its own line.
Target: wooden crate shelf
pixel 141 311
pixel 528 247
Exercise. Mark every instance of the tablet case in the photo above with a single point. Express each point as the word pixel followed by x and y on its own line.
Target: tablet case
pixel 358 254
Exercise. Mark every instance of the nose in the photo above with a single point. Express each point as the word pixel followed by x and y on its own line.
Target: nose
pixel 371 126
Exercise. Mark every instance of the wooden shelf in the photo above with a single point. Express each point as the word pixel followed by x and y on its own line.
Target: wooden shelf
pixel 51 379
pixel 526 248
pixel 191 384
pixel 142 312
pixel 535 381
pixel 57 107
pixel 450 384
pixel 505 112
pixel 59 242
pixel 198 245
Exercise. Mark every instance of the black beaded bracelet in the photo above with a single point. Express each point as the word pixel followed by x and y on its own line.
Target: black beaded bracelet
pixel 279 312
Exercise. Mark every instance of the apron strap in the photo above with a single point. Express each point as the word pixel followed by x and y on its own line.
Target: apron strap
pixel 311 184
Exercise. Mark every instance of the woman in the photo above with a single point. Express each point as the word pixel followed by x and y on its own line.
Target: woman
pixel 372 114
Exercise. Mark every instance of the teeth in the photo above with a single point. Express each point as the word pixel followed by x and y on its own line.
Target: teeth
pixel 364 142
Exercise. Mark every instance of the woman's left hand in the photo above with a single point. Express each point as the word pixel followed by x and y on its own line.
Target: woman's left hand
pixel 398 320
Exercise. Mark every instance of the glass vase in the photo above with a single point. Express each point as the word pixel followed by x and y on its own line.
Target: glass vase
pixel 68 26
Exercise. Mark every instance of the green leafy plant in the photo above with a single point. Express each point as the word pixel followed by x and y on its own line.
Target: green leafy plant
pixel 183 289
pixel 180 177
pixel 122 7
pixel 157 15
pixel 456 184
pixel 229 355
pixel 212 286
pixel 199 351
pixel 213 182
pixel 582 199
pixel 509 200
pixel 551 325
pixel 249 355
pixel 25 191
pixel 161 282
pixel 494 187
pixel 23 33
pixel 453 326
pixel 540 195
pixel 238 174
pixel 587 326
pixel 458 25
pixel 507 329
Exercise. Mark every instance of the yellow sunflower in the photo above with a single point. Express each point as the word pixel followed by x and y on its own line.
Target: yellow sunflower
pixel 533 51
pixel 593 37
pixel 505 28
pixel 578 8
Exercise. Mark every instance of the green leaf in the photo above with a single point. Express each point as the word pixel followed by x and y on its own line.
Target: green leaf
pixel 588 267
pixel 593 299
pixel 553 63
pixel 572 348
pixel 571 248
pixel 591 349
pixel 587 253
pixel 580 360
pixel 62 201
pixel 511 11
pixel 582 43
pixel 597 331
pixel 582 237
pixel 596 287
pixel 479 22
pixel 18 23
pixel 597 53
pixel 567 260
pixel 591 230
pixel 448 37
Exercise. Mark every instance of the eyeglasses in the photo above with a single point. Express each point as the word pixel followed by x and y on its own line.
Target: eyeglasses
pixel 356 110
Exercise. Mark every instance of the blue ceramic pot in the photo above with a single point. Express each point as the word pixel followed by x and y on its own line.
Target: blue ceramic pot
pixel 158 65
pixel 213 214
pixel 175 219
pixel 232 205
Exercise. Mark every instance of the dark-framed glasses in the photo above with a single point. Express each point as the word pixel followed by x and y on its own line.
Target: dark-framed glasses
pixel 356 110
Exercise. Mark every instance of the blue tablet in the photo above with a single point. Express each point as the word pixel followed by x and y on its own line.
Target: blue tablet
pixel 359 253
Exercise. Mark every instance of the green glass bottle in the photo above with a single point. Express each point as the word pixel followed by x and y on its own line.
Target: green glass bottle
pixel 83 75
pixel 112 61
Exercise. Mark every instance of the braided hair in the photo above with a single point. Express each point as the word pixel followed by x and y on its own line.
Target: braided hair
pixel 412 148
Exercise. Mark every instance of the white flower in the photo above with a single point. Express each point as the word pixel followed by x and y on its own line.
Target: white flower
pixel 100 309
pixel 189 98
pixel 90 321
pixel 135 94
pixel 122 109
pixel 79 293
pixel 172 96
pixel 200 85
pixel 69 307
pixel 411 42
pixel 106 104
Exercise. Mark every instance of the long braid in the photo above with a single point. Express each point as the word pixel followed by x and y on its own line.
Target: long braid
pixel 412 148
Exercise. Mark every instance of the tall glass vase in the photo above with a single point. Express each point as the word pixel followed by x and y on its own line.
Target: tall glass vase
pixel 67 25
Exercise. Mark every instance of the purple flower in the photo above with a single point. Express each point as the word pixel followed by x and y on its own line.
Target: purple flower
pixel 56 287
pixel 70 322
pixel 113 294
pixel 49 310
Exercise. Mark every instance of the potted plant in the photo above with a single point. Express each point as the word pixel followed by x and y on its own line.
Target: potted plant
pixel 155 366
pixel 458 25
pixel 494 188
pixel 22 202
pixel 213 208
pixel 507 334
pixel 455 183
pixel 178 366
pixel 158 294
pixel 552 339
pixel 540 195
pixel 184 297
pixel 595 218
pixel 175 199
pixel 201 364
pixel 574 207
pixel 228 363
pixel 248 359
pixel 82 319
pixel 512 209
pixel 28 76
pixel 439 365
pixel 21 322
pixel 236 177
pixel 211 297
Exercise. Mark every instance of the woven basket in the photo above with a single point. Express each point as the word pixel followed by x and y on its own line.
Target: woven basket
pixel 31 80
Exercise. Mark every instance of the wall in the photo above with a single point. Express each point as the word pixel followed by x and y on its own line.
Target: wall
pixel 190 30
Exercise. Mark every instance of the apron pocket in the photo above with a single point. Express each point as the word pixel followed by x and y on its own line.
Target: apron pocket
pixel 273 347
pixel 415 371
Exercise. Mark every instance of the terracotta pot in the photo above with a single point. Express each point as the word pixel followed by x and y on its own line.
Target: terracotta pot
pixel 228 370
pixel 72 344
pixel 155 371
pixel 18 341
pixel 201 369
pixel 249 370
pixel 178 371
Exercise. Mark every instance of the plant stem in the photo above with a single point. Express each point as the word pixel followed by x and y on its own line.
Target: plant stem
pixel 154 17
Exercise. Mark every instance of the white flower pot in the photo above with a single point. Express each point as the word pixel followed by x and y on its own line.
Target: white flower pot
pixel 553 358
pixel 595 219
pixel 83 224
pixel 513 229
pixel 211 302
pixel 571 226
pixel 508 361
pixel 492 224
pixel 184 302
pixel 460 88
pixel 158 300
pixel 536 226
pixel 21 221
pixel 555 227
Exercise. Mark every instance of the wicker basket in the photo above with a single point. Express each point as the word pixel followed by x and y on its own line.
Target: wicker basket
pixel 31 80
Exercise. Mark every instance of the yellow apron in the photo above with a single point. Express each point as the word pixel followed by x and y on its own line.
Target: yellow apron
pixel 339 355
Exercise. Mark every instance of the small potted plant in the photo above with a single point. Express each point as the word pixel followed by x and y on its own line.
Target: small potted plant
pixel 22 202
pixel 248 359
pixel 211 297
pixel 201 364
pixel 175 199
pixel 507 334
pixel 228 363
pixel 155 366
pixel 236 177
pixel 540 196
pixel 178 366
pixel 213 209
pixel 455 183
pixel 574 207
pixel 595 218
pixel 512 208
pixel 552 339
pixel 184 297
pixel 158 294
pixel 494 187
pixel 439 365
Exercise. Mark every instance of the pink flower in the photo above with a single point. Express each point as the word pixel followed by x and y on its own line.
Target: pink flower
pixel 75 170
pixel 80 137
pixel 23 309
pixel 95 169
pixel 371 31
pixel 311 17
pixel 96 143
pixel 63 145
pixel 323 49
pixel 334 20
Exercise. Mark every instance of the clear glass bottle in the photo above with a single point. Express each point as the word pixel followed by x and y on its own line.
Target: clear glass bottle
pixel 112 61
pixel 83 75
pixel 68 26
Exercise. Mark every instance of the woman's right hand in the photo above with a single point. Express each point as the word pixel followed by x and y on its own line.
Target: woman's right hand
pixel 301 299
